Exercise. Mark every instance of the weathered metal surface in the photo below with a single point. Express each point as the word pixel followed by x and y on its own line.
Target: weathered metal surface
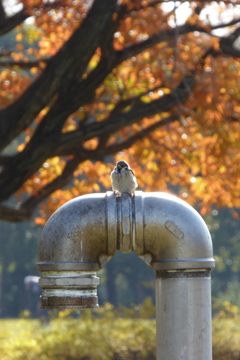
pixel 166 233
pixel 126 221
pixel 75 235
pixel 170 234
pixel 183 310
pixel 63 289
pixel 68 302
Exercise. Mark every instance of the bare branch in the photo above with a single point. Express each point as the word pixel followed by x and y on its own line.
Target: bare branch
pixel 4 159
pixel 112 149
pixel 59 182
pixel 30 159
pixel 132 101
pixel 25 211
pixel 230 23
pixel 115 122
pixel 14 214
pixel 62 81
pixel 2 13
pixel 9 23
pixel 23 64
pixel 71 61
pixel 135 49
pixel 81 92
pixel 226 46
pixel 142 7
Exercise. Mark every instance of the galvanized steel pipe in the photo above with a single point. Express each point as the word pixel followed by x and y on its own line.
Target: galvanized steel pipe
pixel 166 233
pixel 183 315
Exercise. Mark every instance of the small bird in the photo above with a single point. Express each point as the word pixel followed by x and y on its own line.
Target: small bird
pixel 123 178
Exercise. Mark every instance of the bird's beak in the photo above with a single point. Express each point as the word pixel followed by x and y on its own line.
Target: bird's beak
pixel 119 166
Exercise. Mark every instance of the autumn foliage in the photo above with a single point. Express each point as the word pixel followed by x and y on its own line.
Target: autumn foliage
pixel 86 83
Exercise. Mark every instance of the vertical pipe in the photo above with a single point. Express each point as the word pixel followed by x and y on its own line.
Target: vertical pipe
pixel 183 311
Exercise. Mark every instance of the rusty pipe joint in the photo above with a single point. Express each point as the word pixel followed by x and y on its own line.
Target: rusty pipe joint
pixel 84 234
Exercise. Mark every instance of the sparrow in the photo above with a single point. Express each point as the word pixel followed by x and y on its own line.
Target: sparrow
pixel 123 179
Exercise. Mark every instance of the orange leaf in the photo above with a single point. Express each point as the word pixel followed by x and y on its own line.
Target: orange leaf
pixel 235 214
pixel 39 221
pixel 204 210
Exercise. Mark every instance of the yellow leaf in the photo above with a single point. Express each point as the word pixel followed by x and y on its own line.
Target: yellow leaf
pixel 19 37
pixel 34 70
pixel 96 187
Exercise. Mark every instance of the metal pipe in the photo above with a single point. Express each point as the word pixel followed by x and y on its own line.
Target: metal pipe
pixel 69 289
pixel 183 315
pixel 177 244
pixel 76 243
pixel 170 234
pixel 166 233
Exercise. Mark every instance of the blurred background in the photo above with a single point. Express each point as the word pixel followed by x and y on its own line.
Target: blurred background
pixel 84 84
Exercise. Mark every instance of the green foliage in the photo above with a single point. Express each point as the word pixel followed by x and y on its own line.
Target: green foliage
pixel 226 335
pixel 87 337
pixel 225 308
pixel 104 334
pixel 144 311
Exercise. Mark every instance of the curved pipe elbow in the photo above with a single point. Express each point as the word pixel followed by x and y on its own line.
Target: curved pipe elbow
pixel 75 244
pixel 84 234
pixel 170 234
pixel 76 238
